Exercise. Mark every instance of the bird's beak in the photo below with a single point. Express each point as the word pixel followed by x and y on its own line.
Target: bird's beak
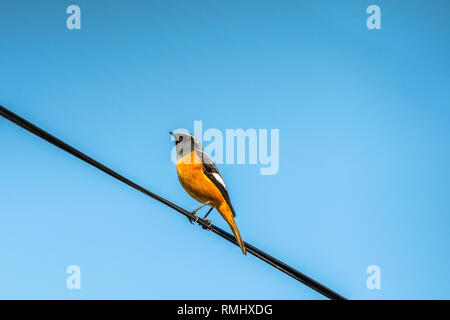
pixel 171 133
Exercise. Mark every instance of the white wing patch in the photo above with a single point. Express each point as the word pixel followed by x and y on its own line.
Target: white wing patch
pixel 219 179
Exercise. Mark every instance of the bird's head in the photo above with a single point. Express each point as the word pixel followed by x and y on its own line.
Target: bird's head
pixel 185 143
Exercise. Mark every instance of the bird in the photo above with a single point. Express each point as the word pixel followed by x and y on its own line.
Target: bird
pixel 201 179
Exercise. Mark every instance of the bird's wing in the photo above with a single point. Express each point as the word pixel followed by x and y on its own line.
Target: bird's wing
pixel 211 171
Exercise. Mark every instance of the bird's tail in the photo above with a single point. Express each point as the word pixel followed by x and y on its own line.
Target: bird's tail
pixel 228 216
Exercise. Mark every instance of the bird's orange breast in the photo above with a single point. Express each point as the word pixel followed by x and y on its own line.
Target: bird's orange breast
pixel 195 182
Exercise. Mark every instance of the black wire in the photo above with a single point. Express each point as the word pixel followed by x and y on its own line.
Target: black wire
pixel 299 276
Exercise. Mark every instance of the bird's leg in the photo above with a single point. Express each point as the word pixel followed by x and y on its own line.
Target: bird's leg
pixel 208 213
pixel 195 214
pixel 205 204
pixel 208 221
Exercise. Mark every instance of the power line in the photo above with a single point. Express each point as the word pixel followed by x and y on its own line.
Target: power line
pixel 297 275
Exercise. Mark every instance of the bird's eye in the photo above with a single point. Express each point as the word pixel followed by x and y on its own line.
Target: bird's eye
pixel 180 139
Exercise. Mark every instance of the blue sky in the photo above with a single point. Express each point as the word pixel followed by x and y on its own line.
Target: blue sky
pixel 364 130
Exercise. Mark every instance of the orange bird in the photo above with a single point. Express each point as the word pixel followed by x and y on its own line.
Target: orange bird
pixel 200 177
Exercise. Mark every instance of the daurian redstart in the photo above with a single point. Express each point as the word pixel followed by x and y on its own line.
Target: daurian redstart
pixel 200 177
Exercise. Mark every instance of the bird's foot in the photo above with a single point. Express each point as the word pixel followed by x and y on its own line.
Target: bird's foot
pixel 193 220
pixel 208 227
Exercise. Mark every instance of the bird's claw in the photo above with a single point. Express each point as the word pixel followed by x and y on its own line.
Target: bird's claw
pixel 208 227
pixel 192 220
